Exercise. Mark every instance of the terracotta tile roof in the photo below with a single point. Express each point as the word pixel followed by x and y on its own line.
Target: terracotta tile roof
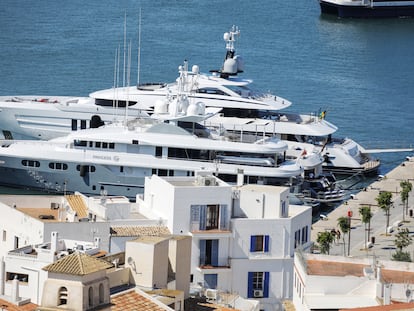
pixel 337 268
pixel 334 268
pixel 39 213
pixel 78 264
pixel 201 304
pixel 131 231
pixel 77 204
pixel 131 300
pixel 391 307
pixel 5 305
pixel 397 276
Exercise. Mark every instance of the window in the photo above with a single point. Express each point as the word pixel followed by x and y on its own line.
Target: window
pixel 212 217
pixel 284 210
pixel 208 217
pixel 63 296
pixel 85 168
pixel 58 166
pixel 304 234
pixel 90 296
pixel 209 252
pixel 258 285
pixel 10 276
pixel 259 243
pixel 30 163
pixel 210 281
pixel 74 125
pixel 158 152
pixel 297 238
pixel 4 235
pixel 101 293
pixel 80 143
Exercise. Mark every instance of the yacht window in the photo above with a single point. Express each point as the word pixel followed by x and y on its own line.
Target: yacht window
pixel 111 145
pixel 210 90
pixel 154 171
pixel 158 151
pixel 74 125
pixel 7 135
pixel 30 163
pixel 243 91
pixel 58 166
pixel 80 143
pixel 87 168
pixel 162 172
pixel 112 103
pixel 98 144
pixel 83 124
pixel 105 145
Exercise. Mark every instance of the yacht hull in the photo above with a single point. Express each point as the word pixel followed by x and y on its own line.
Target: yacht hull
pixel 376 10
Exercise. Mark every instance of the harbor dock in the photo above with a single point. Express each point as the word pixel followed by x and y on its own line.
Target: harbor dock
pixel 381 241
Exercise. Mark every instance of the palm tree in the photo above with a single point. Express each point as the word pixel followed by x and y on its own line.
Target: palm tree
pixel 366 215
pixel 385 203
pixel 402 240
pixel 406 189
pixel 344 226
pixel 325 240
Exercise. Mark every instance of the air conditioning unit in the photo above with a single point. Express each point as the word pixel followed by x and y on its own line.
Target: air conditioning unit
pixel 211 294
pixel 209 181
pixel 235 194
pixel 257 293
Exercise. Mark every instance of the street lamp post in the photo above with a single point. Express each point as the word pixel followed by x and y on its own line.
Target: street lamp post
pixel 349 231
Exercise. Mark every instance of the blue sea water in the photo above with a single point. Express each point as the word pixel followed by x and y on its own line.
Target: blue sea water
pixel 360 71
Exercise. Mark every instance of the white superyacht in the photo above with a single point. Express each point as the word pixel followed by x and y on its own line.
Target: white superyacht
pixel 116 158
pixel 243 110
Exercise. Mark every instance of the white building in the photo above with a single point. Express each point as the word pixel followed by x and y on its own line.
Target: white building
pixel 29 220
pixel 323 282
pixel 25 264
pixel 243 238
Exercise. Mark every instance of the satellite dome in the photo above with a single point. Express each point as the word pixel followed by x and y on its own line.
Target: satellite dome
pixel 230 66
pixel 240 63
pixel 195 69
pixel 226 36
pixel 192 110
pixel 161 106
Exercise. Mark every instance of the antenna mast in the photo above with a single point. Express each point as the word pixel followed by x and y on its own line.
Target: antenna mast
pixel 139 49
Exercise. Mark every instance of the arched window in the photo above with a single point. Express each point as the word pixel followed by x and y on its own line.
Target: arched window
pixel 63 296
pixel 101 293
pixel 90 296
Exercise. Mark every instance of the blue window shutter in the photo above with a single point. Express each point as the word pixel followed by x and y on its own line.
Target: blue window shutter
pixel 214 252
pixel 252 243
pixel 266 285
pixel 202 252
pixel 223 217
pixel 266 243
pixel 203 210
pixel 250 285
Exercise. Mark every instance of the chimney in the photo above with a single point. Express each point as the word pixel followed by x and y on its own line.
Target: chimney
pixel 97 242
pixel 15 290
pixel 2 276
pixel 54 242
pixel 240 177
